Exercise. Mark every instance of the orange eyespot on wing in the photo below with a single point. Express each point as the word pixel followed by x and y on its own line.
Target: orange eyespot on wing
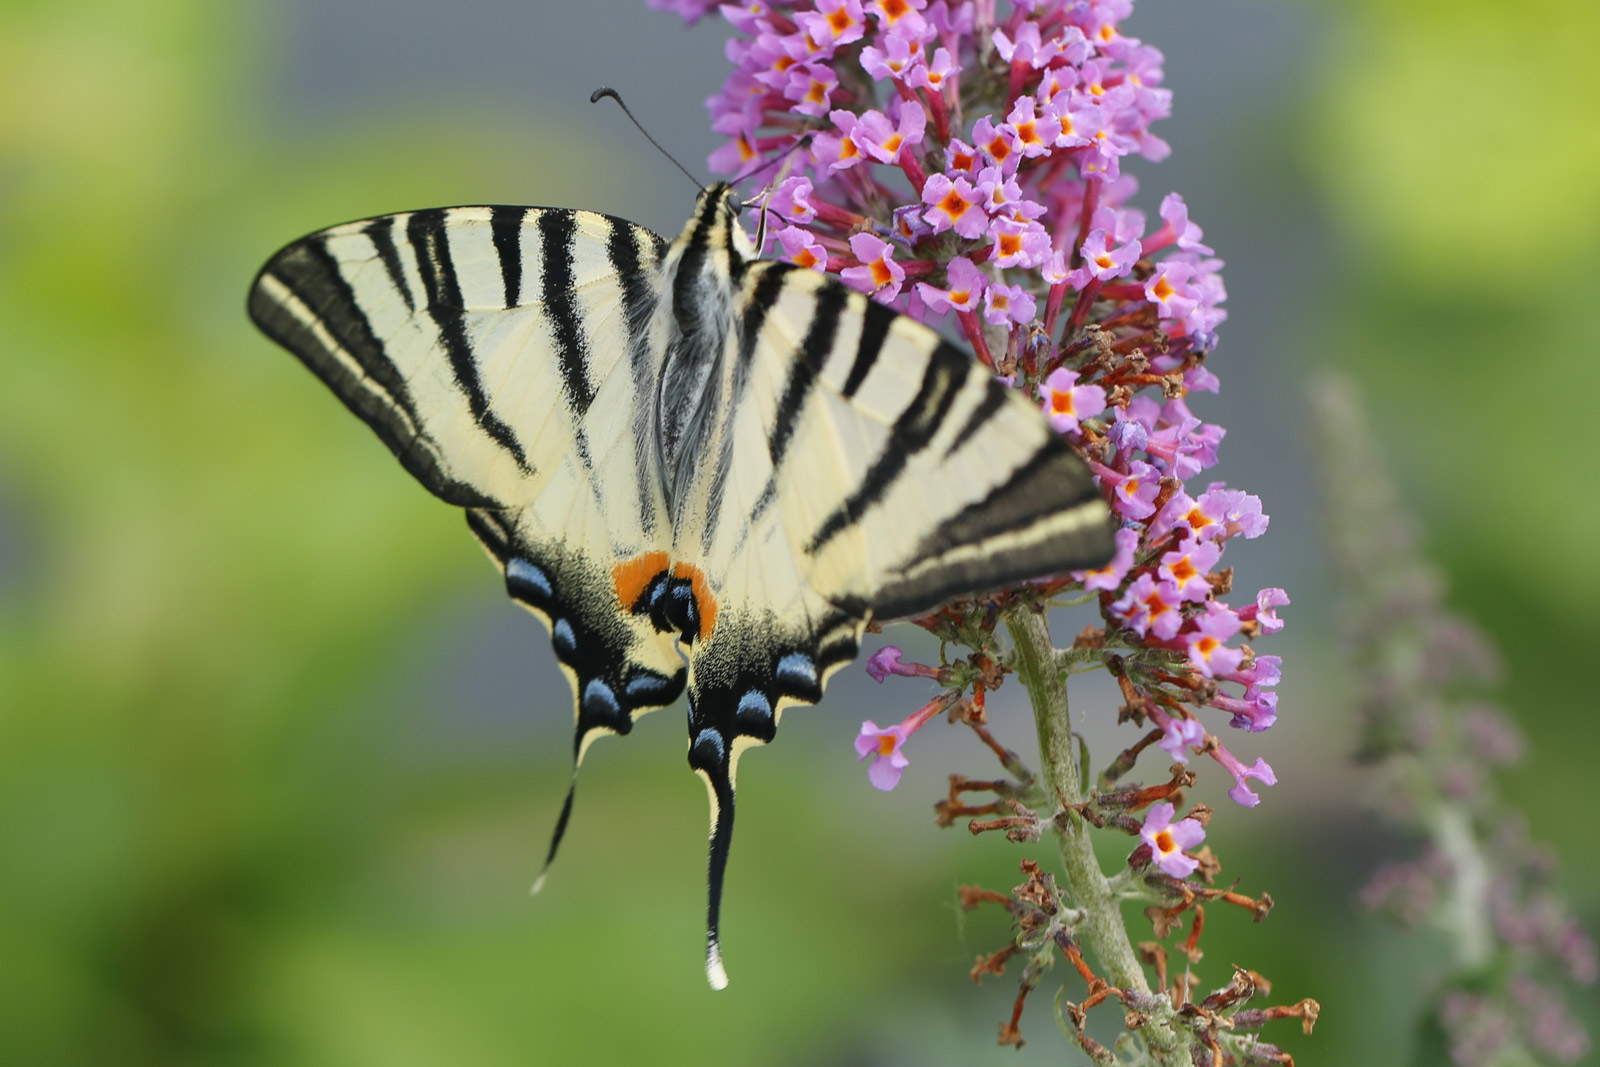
pixel 631 577
pixel 704 599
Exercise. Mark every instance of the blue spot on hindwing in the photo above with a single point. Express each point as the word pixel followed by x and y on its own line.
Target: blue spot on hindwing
pixel 528 581
pixel 798 673
pixel 599 701
pixel 708 746
pixel 648 687
pixel 562 637
pixel 754 704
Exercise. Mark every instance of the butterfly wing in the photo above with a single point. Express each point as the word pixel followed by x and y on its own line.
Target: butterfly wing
pixel 505 355
pixel 865 468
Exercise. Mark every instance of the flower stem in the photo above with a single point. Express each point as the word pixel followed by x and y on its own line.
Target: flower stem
pixel 1102 928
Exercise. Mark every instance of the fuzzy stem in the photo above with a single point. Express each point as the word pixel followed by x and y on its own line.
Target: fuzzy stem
pixel 1102 927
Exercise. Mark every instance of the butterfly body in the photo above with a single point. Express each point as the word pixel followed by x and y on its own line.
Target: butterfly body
pixel 705 472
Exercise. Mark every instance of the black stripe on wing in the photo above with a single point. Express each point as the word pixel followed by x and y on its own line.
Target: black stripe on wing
pixel 505 225
pixel 302 300
pixel 1046 518
pixel 430 241
pixel 947 369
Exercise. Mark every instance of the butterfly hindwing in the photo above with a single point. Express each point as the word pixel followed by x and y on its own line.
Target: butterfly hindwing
pixel 505 356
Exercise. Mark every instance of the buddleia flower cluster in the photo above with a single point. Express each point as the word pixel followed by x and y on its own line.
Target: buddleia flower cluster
pixel 1434 744
pixel 963 162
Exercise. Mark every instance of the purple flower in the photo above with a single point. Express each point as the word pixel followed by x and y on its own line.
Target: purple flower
pixel 1110 576
pixel 1208 651
pixel 1241 793
pixel 792 200
pixel 901 18
pixel 893 62
pixel 966 285
pixel 1262 612
pixel 998 142
pixel 883 745
pixel 802 247
pixel 1178 734
pixel 1150 607
pixel 1019 244
pixel 882 663
pixel 1178 229
pixel 1101 263
pixel 1005 304
pixel 883 140
pixel 810 86
pixel 1256 711
pixel 1168 840
pixel 1238 511
pixel 1136 490
pixel 1035 131
pixel 1187 566
pixel 692 11
pixel 931 75
pixel 1066 403
pixel 1169 290
pixel 833 23
pixel 878 272
pixel 953 205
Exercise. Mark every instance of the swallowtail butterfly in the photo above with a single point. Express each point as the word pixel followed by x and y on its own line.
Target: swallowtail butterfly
pixel 703 470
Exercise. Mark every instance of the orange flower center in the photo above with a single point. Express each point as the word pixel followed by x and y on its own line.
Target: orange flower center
pixel 1061 403
pixel 1104 262
pixel 953 205
pixel 880 272
pixel 1164 289
pixel 1207 645
pixel 886 744
pixel 999 149
pixel 806 258
pixel 817 93
pixel 840 20
pixel 1165 842
pixel 962 161
pixel 1027 132
pixel 960 296
pixel 893 143
pixel 1010 244
pixel 894 10
pixel 1183 570
pixel 1196 518
pixel 848 149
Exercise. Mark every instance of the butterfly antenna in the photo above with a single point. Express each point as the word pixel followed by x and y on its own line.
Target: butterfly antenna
pixel 759 201
pixel 594 98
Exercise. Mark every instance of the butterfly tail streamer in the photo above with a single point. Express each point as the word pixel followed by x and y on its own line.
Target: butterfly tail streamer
pixel 556 836
pixel 710 757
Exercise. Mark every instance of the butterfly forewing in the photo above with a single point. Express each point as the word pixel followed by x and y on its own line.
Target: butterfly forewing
pixel 500 353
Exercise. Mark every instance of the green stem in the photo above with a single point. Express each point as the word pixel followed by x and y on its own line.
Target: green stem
pixel 1102 928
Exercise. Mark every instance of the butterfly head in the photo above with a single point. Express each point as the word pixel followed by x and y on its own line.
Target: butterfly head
pixel 717 228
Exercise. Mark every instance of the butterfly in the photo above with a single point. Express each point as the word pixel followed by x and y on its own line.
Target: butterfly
pixel 704 471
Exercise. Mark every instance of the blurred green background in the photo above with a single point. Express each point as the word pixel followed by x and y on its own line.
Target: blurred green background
pixel 277 761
